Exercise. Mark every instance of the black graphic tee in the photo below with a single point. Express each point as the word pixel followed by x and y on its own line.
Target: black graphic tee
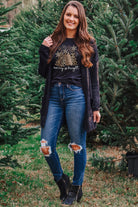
pixel 66 68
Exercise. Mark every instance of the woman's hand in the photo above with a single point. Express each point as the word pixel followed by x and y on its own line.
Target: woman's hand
pixel 48 42
pixel 96 116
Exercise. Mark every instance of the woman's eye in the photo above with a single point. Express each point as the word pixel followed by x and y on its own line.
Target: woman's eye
pixel 68 14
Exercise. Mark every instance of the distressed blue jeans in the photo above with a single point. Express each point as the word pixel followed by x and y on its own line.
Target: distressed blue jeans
pixel 65 100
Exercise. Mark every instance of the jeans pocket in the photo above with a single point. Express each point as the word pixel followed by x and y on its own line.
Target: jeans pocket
pixel 74 87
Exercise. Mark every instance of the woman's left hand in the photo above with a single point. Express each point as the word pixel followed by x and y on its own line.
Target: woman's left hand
pixel 96 116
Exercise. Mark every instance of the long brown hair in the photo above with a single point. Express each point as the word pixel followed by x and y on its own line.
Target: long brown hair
pixel 82 38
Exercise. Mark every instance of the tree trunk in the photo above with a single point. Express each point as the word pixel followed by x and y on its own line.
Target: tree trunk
pixel 24 4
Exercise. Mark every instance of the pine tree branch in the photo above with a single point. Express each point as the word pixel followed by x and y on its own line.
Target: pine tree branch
pixel 113 117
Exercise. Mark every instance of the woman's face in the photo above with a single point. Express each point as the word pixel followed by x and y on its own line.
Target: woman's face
pixel 71 18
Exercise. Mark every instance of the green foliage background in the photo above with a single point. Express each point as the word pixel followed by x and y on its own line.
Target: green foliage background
pixel 114 25
pixel 12 93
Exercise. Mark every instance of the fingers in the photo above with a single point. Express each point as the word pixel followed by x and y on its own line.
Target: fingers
pixel 97 119
pixel 48 42
pixel 96 116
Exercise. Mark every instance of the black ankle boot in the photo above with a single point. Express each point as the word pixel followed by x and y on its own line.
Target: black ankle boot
pixel 64 185
pixel 75 194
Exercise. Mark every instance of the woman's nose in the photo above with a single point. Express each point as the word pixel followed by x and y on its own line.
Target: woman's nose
pixel 71 18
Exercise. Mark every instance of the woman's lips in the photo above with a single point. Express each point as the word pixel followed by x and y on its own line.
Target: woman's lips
pixel 70 23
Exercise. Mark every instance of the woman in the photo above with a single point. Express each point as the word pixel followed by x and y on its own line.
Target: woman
pixel 68 61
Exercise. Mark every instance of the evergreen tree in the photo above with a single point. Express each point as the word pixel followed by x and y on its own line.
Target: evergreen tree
pixel 11 96
pixel 114 25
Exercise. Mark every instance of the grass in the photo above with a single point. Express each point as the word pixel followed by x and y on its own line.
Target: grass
pixel 26 181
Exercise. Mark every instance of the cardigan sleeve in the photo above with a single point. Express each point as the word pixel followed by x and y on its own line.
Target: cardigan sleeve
pixel 43 65
pixel 94 74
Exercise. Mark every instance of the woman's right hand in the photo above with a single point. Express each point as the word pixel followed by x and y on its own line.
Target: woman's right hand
pixel 48 42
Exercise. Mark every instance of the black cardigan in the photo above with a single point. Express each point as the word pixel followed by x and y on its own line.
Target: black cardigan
pixel 90 85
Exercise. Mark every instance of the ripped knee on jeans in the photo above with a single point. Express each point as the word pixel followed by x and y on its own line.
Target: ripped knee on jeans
pixel 75 147
pixel 45 149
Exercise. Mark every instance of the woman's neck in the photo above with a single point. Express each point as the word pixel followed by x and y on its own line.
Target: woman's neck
pixel 70 34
